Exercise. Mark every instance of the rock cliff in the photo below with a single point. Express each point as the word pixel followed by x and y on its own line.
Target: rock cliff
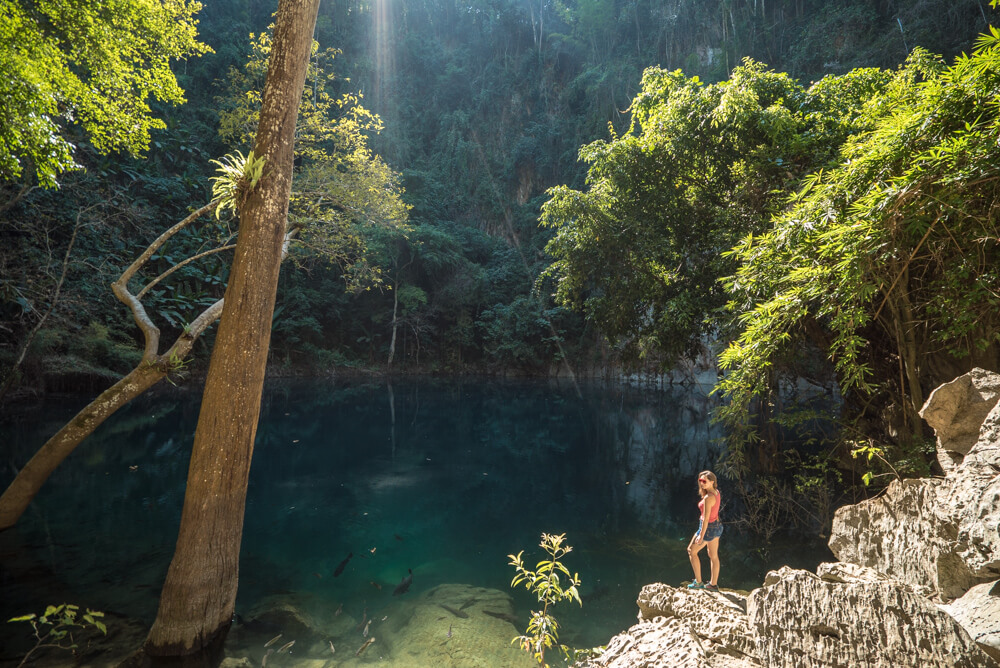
pixel 917 582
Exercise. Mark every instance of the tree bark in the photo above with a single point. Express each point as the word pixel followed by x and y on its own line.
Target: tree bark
pixel 198 598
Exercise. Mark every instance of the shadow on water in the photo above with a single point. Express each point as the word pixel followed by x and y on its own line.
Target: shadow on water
pixel 444 477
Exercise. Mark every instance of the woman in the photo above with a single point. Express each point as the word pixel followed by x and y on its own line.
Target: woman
pixel 709 531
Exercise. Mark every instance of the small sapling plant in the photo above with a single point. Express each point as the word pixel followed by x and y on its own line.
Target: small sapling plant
pixel 547 584
pixel 54 628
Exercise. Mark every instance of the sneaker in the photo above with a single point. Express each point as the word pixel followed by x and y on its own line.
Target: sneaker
pixel 696 585
pixel 711 587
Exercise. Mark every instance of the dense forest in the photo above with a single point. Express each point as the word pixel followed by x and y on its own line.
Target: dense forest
pixel 521 186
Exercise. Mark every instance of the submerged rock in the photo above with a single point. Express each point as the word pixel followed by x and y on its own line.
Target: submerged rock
pixel 452 625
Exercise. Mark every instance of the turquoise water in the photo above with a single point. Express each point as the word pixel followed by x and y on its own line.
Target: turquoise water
pixel 444 477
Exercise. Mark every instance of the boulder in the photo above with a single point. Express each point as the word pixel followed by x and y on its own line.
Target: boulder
pixel 798 619
pixel 973 499
pixel 236 662
pixel 979 614
pixel 956 411
pixel 719 619
pixel 906 532
pixel 664 641
pixel 937 533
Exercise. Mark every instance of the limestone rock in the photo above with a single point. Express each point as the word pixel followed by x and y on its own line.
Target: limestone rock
pixel 973 497
pixel 719 618
pixel 979 614
pixel 906 532
pixel 289 615
pixel 957 409
pixel 847 573
pixel 650 644
pixel 800 620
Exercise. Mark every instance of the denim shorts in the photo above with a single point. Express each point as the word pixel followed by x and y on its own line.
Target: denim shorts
pixel 714 530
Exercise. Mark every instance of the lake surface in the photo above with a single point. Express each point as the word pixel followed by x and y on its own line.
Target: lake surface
pixel 444 477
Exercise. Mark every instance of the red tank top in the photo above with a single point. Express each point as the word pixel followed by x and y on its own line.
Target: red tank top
pixel 713 516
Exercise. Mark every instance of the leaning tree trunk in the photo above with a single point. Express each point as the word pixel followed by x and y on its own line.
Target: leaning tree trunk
pixel 198 598
pixel 153 367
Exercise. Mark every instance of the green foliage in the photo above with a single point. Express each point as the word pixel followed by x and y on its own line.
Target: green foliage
pixel 340 186
pixel 54 627
pixel 641 251
pixel 485 106
pixel 886 261
pixel 545 582
pixel 908 458
pixel 66 63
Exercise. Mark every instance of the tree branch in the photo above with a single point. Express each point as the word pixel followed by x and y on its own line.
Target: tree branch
pixel 174 268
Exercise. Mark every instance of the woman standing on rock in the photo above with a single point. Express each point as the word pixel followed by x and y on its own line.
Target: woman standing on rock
pixel 709 531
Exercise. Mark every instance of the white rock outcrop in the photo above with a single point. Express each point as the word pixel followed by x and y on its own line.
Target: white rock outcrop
pixel 979 613
pixel 799 619
pixel 956 411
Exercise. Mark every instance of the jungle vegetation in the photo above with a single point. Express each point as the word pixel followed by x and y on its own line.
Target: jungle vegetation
pixel 806 187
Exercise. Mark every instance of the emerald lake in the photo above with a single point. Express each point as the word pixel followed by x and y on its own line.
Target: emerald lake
pixel 442 477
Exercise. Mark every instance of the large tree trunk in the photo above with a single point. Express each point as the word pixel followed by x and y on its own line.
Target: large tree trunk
pixel 199 595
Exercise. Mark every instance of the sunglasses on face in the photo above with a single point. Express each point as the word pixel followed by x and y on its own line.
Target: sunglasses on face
pixel 704 480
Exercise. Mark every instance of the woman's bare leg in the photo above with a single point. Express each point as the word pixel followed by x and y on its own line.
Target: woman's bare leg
pixel 693 549
pixel 713 557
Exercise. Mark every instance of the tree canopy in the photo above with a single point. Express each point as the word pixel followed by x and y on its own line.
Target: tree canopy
pixel 642 250
pixel 67 66
pixel 891 255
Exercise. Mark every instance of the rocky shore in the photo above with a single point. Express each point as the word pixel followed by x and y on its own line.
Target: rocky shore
pixel 917 582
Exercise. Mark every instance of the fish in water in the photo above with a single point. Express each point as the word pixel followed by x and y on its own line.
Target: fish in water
pixel 273 640
pixel 340 609
pixel 342 565
pixel 404 585
pixel 364 617
pixel 449 630
pixel 506 616
pixel 287 645
pixel 461 614
pixel 364 634
pixel 468 603
pixel 263 662
pixel 364 647
pixel 333 650
pixel 376 585
pixel 397 536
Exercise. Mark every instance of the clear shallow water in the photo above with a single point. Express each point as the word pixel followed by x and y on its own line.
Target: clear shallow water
pixel 444 477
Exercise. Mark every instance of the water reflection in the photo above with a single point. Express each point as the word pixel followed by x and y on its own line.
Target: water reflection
pixel 442 477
